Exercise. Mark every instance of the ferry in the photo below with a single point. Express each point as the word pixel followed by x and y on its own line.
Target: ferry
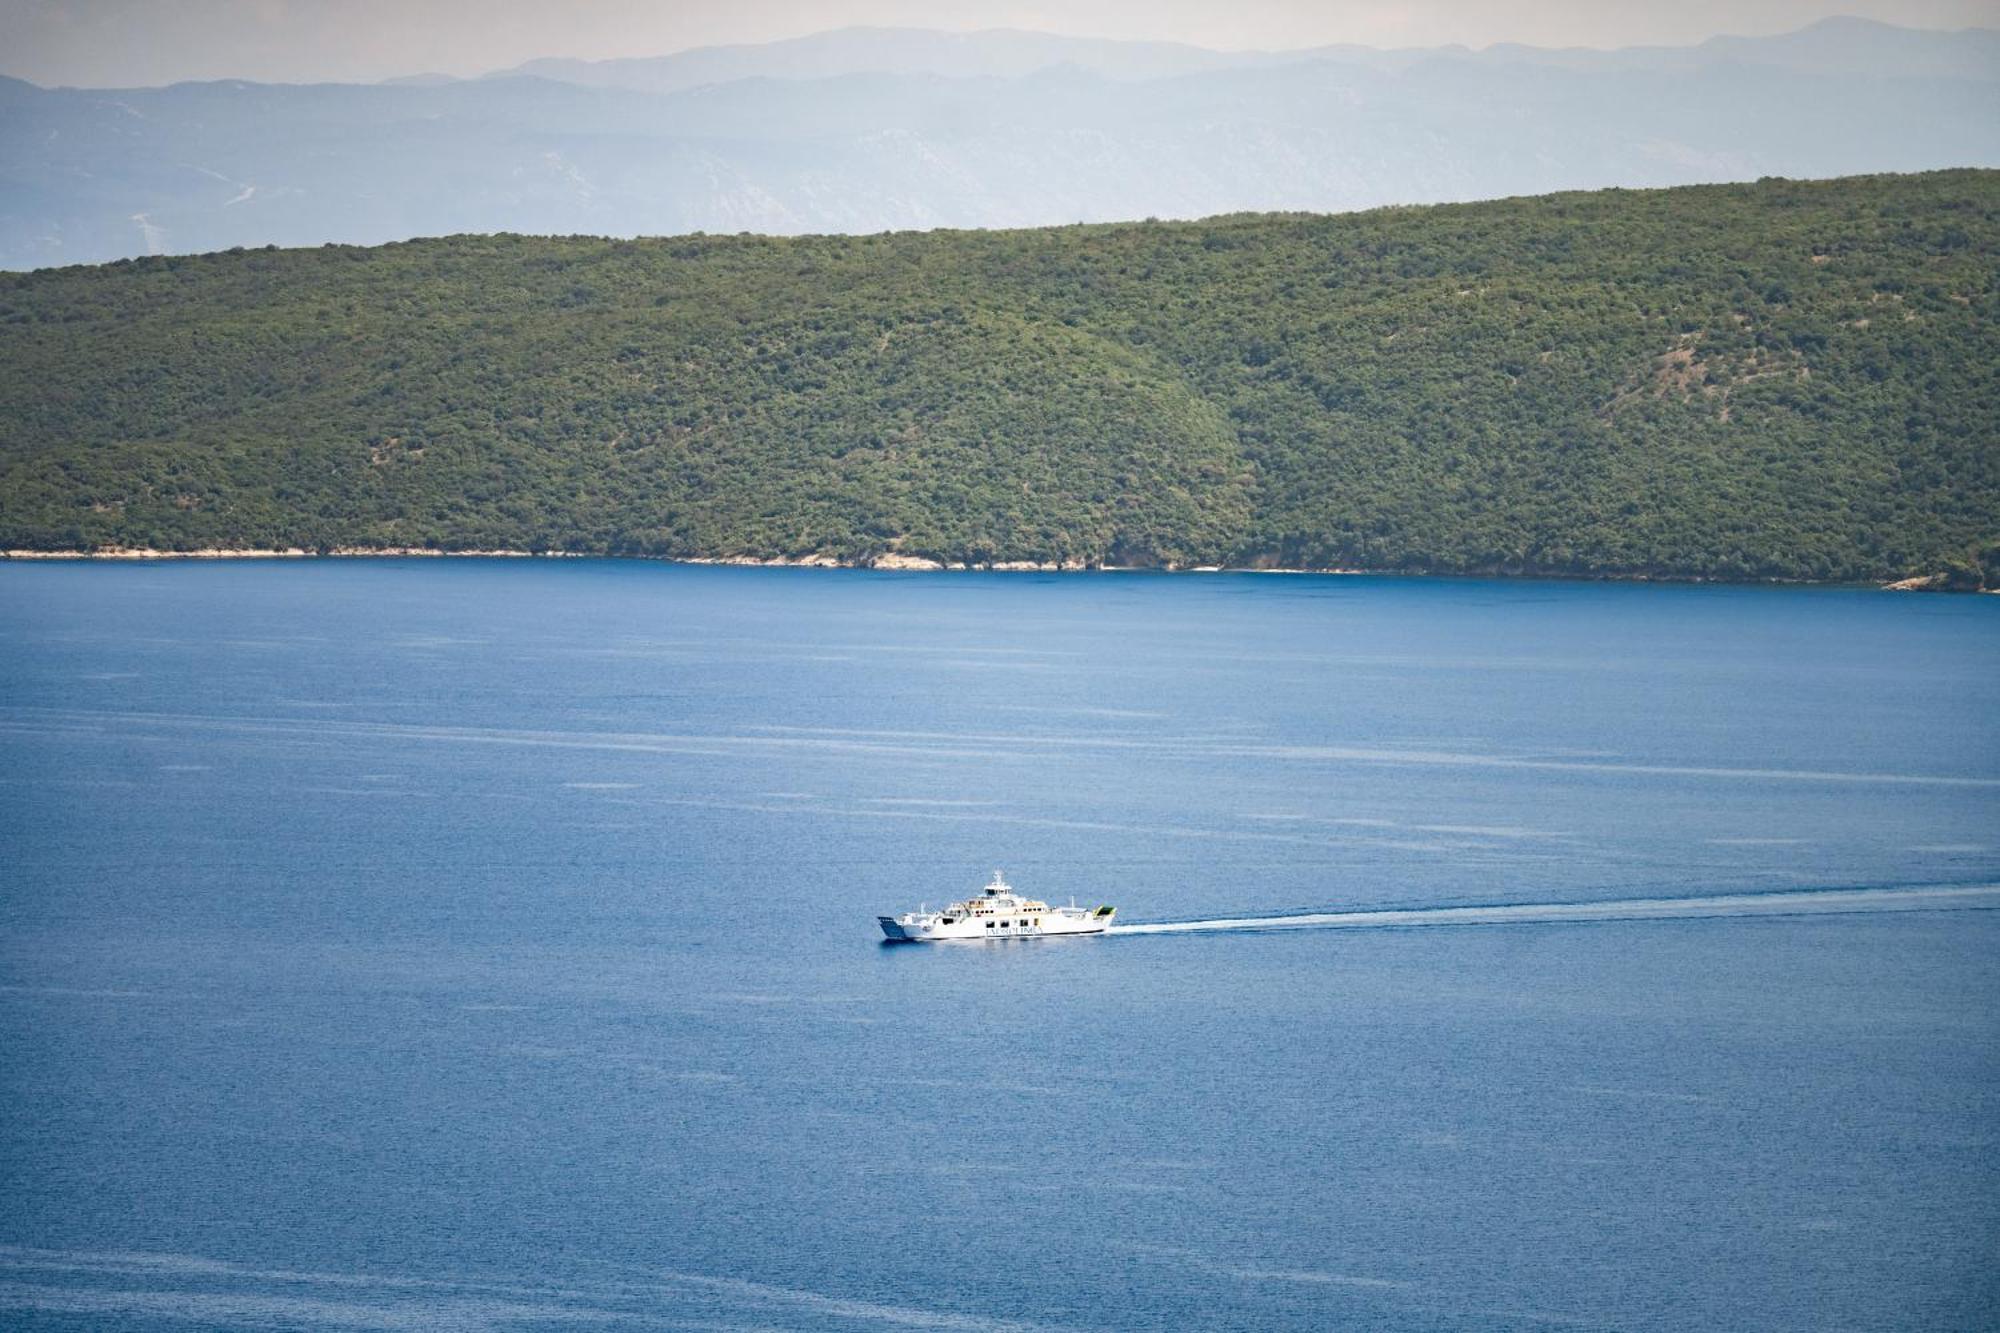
pixel 997 913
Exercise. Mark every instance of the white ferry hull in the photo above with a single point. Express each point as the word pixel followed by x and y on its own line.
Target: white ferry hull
pixel 996 913
pixel 926 929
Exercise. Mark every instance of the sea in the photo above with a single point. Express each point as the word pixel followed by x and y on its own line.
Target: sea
pixel 479 944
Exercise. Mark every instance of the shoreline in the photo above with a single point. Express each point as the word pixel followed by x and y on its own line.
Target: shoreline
pixel 890 561
pixel 893 562
pixel 277 553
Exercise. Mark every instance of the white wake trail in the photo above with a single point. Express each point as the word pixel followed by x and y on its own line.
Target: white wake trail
pixel 1790 903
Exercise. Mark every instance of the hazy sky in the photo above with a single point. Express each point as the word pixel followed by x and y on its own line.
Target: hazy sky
pixel 135 42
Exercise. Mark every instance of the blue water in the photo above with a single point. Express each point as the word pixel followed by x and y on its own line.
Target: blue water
pixel 425 944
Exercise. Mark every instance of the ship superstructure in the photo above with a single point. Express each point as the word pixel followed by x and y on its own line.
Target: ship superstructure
pixel 996 913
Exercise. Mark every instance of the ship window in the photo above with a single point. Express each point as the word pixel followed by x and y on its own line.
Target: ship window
pixel 989 925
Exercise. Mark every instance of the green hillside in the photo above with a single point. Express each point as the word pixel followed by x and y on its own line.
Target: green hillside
pixel 1773 380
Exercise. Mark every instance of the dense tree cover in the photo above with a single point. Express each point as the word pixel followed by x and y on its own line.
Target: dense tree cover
pixel 1783 380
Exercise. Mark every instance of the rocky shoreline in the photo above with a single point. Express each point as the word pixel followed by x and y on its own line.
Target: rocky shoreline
pixel 889 561
pixel 274 553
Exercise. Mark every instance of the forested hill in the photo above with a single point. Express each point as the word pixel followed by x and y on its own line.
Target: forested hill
pixel 1772 380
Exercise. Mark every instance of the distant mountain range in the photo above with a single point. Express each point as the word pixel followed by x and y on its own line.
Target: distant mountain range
pixel 866 130
pixel 1833 46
